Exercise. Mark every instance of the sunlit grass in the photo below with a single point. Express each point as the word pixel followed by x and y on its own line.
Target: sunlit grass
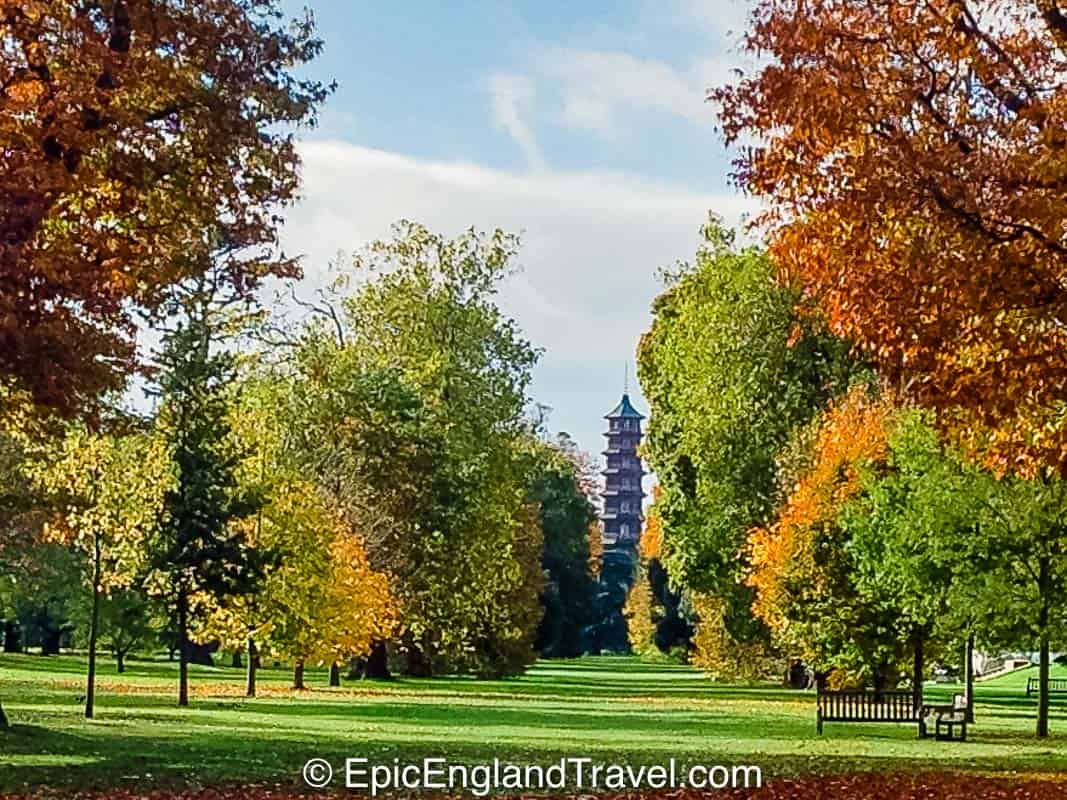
pixel 615 710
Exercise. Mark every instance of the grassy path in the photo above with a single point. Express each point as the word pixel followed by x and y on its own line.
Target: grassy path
pixel 614 710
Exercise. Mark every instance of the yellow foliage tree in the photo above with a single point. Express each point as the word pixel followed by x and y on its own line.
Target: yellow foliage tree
pixel 320 601
pixel 108 494
pixel 639 612
pixel 716 651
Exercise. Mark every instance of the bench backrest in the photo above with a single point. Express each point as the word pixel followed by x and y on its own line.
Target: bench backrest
pixel 1054 684
pixel 862 705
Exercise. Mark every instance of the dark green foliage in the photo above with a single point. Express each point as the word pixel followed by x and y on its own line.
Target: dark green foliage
pixel 196 550
pixel 43 597
pixel 673 628
pixel 566 515
pixel 618 566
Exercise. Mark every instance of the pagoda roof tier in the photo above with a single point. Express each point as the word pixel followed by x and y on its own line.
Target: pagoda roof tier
pixel 624 409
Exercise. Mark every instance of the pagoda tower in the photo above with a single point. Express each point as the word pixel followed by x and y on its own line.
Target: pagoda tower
pixel 623 495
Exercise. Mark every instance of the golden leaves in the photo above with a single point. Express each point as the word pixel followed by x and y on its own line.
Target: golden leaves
pixel 915 168
pixel 853 432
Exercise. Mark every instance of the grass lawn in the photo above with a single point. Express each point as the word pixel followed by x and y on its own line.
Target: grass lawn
pixel 614 710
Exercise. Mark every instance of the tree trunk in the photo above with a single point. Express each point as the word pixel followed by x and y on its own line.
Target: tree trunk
pixel 1042 695
pixel 378 663
pixel 968 676
pixel 253 663
pixel 418 666
pixel 4 724
pixel 298 675
pixel 355 668
pixel 94 625
pixel 50 641
pixel 12 639
pixel 120 662
pixel 335 674
pixel 183 648
pixel 879 680
pixel 1044 579
pixel 917 665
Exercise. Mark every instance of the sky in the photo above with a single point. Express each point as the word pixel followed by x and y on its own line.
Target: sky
pixel 581 126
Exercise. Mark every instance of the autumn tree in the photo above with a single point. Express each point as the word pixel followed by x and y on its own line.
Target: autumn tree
pixel 108 492
pixel 640 613
pixel 135 135
pixel 318 599
pixel 914 164
pixel 16 501
pixel 804 569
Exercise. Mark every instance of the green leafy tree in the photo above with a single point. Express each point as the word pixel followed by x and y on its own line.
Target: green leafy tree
pixel 901 530
pixel 1009 563
pixel 318 600
pixel 126 624
pixel 730 369
pixel 416 387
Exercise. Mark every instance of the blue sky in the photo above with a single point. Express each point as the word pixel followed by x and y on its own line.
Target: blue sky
pixel 581 125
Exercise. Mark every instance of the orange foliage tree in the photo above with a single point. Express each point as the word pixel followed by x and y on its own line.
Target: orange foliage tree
pixel 914 160
pixel 138 140
pixel 792 560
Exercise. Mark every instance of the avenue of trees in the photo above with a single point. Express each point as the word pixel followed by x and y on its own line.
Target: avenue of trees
pixel 354 480
pixel 859 429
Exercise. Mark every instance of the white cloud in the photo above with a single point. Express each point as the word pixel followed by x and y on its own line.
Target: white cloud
pixel 512 98
pixel 724 20
pixel 592 243
pixel 611 82
pixel 605 89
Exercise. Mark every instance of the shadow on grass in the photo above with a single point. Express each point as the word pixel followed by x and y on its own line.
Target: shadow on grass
pixel 66 760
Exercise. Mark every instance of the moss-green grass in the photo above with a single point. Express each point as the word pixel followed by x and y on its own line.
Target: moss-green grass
pixel 612 709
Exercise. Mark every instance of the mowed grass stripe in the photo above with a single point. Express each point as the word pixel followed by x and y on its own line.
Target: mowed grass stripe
pixel 615 710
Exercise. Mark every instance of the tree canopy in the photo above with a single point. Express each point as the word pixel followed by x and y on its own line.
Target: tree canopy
pixel 914 163
pixel 137 137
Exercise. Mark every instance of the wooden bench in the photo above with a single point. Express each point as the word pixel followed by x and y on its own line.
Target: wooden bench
pixel 861 705
pixel 1055 686
pixel 950 720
